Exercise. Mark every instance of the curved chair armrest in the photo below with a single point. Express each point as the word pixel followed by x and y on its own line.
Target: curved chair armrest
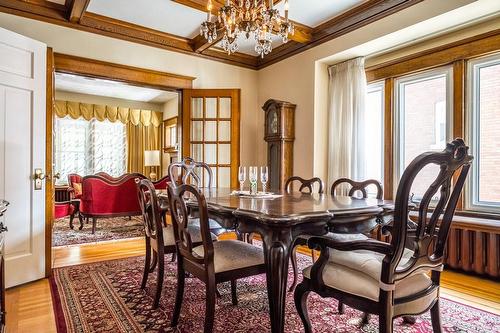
pixel 370 244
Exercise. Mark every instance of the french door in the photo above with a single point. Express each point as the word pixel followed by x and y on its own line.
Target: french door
pixel 22 151
pixel 211 132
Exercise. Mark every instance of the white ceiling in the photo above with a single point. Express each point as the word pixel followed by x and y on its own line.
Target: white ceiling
pixel 314 12
pixel 248 45
pixel 162 15
pixel 98 87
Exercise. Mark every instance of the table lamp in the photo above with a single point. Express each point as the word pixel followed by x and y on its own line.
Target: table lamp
pixel 152 159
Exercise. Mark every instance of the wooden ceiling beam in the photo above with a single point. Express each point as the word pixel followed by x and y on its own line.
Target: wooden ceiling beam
pixel 76 9
pixel 39 8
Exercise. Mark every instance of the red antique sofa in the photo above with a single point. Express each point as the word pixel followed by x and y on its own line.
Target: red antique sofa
pixel 103 198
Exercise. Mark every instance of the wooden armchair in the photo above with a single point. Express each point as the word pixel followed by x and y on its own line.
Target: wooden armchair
pixel 212 263
pixel 159 236
pixel 389 279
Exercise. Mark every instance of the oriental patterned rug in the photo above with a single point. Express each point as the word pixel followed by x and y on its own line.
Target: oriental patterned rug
pixel 106 229
pixel 106 297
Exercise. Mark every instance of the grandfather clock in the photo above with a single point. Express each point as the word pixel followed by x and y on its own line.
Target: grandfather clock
pixel 279 135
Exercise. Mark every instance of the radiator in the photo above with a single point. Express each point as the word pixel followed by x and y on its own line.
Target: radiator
pixel 61 194
pixel 474 250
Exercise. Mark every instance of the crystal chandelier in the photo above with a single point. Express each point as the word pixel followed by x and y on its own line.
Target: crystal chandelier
pixel 256 18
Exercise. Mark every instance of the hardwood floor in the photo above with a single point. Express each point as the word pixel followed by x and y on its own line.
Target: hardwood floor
pixel 29 307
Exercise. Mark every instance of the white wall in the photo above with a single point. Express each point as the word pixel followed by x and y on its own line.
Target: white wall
pixel 208 73
pixel 103 100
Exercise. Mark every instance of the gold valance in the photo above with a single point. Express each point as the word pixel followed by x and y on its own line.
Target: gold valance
pixel 112 113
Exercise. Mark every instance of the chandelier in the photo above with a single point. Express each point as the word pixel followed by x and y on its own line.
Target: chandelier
pixel 248 18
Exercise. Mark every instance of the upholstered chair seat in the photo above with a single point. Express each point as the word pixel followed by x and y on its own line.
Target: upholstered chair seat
pixel 232 254
pixel 169 239
pixel 358 273
pixel 215 227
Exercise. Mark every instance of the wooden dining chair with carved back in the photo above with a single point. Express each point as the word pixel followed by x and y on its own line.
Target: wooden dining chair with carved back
pixel 159 236
pixel 211 262
pixel 389 279
pixel 189 171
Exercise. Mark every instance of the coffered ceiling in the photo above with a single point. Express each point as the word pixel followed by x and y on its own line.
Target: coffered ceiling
pixel 174 24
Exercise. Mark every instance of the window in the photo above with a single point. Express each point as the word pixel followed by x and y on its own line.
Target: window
pixel 423 116
pixel 484 134
pixel 374 135
pixel 87 147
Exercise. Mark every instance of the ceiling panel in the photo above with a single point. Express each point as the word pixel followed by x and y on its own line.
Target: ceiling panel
pixel 162 15
pixel 107 88
pixel 314 12
pixel 247 46
pixel 61 2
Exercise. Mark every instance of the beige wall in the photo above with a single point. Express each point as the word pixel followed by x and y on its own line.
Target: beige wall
pixel 209 74
pixel 103 100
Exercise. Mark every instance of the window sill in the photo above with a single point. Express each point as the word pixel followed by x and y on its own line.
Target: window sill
pixel 478 222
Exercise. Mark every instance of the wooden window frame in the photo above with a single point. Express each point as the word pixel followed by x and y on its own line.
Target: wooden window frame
pixel 457 55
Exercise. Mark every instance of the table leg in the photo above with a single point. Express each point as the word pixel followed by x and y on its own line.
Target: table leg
pixel 277 245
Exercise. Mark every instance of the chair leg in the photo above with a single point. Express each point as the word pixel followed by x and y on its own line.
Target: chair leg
pixel 181 276
pixel 94 222
pixel 159 280
pixel 174 256
pixel 436 318
pixel 293 259
pixel 155 261
pixel 146 265
pixel 80 218
pixel 341 308
pixel 300 298
pixel 384 323
pixel 71 217
pixel 365 319
pixel 210 306
pixel 409 320
pixel 234 296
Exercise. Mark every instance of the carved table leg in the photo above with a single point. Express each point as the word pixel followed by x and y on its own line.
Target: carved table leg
pixel 277 247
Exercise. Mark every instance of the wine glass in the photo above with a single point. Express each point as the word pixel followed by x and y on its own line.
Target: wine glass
pixel 264 177
pixel 242 176
pixel 252 176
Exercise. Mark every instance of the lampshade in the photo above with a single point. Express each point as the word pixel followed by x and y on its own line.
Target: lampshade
pixel 151 157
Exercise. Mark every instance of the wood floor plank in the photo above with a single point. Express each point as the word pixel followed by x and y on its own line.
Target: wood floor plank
pixel 29 307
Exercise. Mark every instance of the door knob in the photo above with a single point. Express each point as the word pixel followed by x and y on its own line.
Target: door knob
pixel 57 175
pixel 38 177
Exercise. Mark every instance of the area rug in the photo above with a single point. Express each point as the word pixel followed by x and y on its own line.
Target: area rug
pixel 106 229
pixel 106 297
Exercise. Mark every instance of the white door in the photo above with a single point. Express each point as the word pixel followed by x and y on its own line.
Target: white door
pixel 22 149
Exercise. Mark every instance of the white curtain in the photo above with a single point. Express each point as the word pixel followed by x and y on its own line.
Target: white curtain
pixel 347 92
pixel 87 147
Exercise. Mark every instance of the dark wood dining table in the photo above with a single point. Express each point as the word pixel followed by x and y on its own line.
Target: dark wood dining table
pixel 279 221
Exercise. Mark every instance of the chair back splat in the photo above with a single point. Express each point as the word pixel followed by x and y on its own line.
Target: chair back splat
pixel 181 221
pixel 305 184
pixel 357 186
pixel 188 171
pixel 148 201
pixel 429 241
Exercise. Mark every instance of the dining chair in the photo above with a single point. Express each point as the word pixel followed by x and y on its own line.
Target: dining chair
pixel 211 262
pixel 189 171
pixel 389 279
pixel 159 236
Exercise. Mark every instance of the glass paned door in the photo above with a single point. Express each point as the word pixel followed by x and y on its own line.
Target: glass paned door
pixel 211 125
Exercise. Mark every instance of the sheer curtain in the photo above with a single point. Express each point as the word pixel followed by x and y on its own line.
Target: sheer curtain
pixel 347 93
pixel 87 147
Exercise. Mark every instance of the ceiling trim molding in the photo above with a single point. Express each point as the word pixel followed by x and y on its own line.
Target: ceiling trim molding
pixel 76 9
pixel 355 18
pixel 131 75
pixel 74 15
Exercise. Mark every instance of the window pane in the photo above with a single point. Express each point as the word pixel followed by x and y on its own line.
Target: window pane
pixel 224 154
pixel 423 122
pixel 224 130
pixel 197 152
pixel 211 107
pixel 224 177
pixel 210 131
pixel 374 133
pixel 225 107
pixel 197 130
pixel 197 107
pixel 210 153
pixel 488 128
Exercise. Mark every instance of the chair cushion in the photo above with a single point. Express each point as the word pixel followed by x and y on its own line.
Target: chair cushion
pixel 355 282
pixel 233 254
pixel 169 239
pixel 78 189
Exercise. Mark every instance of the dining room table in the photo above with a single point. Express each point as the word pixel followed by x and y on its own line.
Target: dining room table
pixel 279 219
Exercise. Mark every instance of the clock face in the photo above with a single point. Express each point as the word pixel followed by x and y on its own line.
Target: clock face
pixel 273 122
